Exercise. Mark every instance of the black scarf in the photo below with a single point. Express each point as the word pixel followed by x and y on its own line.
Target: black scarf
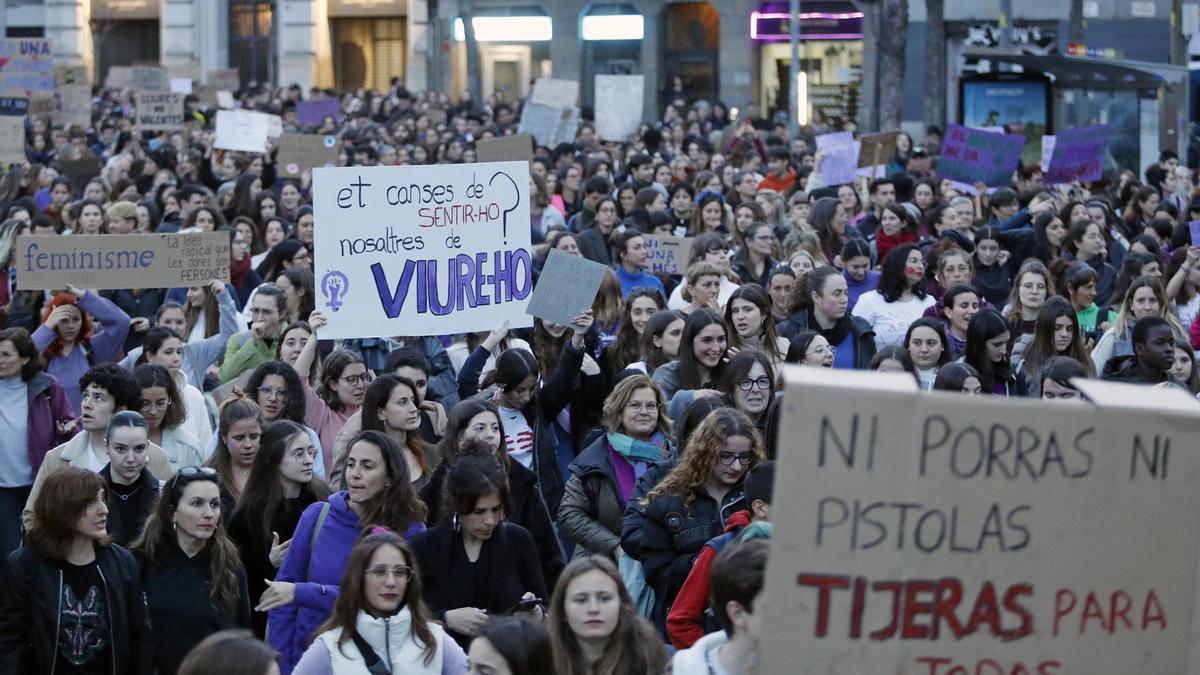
pixel 834 335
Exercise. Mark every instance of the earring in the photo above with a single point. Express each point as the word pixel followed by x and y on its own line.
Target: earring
pixel 454 523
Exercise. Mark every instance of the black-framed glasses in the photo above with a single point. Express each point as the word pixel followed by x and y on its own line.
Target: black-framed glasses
pixel 728 458
pixel 760 383
pixel 381 572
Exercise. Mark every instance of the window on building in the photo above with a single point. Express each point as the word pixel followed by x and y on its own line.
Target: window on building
pixel 251 23
pixel 368 52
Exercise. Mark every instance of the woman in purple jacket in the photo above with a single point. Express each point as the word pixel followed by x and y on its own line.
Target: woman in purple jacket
pixel 36 416
pixel 67 340
pixel 379 493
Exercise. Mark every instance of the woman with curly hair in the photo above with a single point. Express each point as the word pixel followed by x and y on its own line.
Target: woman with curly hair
pixel 194 581
pixel 277 390
pixel 691 504
pixel 595 627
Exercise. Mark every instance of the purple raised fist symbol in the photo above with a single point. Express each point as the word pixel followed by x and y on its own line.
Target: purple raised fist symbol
pixel 334 286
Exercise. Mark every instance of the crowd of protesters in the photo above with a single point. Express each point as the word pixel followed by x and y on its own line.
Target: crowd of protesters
pixel 197 470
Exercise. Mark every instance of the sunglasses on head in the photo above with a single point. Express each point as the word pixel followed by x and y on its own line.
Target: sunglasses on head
pixel 189 474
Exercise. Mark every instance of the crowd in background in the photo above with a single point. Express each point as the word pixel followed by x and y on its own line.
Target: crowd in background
pixel 180 463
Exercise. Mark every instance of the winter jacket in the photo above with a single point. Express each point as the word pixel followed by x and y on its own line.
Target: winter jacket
pixel 593 245
pixel 48 405
pixel 685 622
pixel 317 572
pixel 666 377
pixel 242 353
pixel 393 641
pixel 71 453
pixel 104 345
pixel 591 508
pixel 860 328
pixel 1126 369
pixel 1107 282
pixel 558 389
pixel 695 659
pixel 196 357
pixel 528 510
pixel 667 533
pixel 31 588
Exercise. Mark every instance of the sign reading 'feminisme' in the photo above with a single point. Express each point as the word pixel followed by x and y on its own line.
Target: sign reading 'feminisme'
pixel 422 250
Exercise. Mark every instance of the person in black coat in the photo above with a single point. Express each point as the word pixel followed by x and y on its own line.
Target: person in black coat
pixel 474 430
pixel 195 585
pixel 477 566
pixel 131 487
pixel 70 598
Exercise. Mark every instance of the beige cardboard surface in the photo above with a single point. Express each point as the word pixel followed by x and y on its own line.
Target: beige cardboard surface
pixel 1016 536
pixel 517 148
pixel 148 78
pixel 159 110
pixel 668 255
pixel 73 105
pixel 299 152
pixel 226 79
pixel 119 77
pixel 104 261
pixel 877 149
pixel 12 139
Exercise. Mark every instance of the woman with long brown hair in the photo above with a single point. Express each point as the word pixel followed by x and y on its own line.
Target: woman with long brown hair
pixel 595 627
pixel 194 581
pixel 380 616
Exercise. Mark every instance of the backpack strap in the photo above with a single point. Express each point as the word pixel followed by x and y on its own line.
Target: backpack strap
pixel 312 541
pixel 375 665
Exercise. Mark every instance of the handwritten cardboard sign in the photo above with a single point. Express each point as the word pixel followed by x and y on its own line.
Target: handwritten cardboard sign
pixel 1078 154
pixel 550 126
pixel 14 106
pixel 73 105
pixel 422 250
pixel 619 105
pixel 12 140
pixel 974 156
pixel 839 157
pixel 566 287
pixel 242 130
pixel 105 261
pixel 226 79
pixel 300 152
pixel 668 255
pixel 149 78
pixel 313 113
pixel 26 64
pixel 876 149
pixel 42 103
pixel 159 111
pixel 943 533
pixel 505 148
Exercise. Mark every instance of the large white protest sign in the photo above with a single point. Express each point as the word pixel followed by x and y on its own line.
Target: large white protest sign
pixel 555 92
pixel 242 130
pixel 422 250
pixel 839 157
pixel 619 105
pixel 942 534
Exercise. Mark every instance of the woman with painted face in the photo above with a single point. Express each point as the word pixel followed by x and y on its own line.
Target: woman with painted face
pixel 749 314
pixel 131 488
pixel 1086 243
pixel 67 567
pixel 474 564
pixel 926 344
pixel 595 627
pixel 1144 298
pixel 380 618
pixel 282 484
pixel 527 410
pixel 1055 334
pixel 66 339
pixel 691 504
pixel 701 361
pixel 820 303
pixel 637 434
pixel 988 340
pixel 195 584
pixel 900 298
pixel 379 492
pixel 960 304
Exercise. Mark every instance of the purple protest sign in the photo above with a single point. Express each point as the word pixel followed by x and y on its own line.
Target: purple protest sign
pixel 312 113
pixel 1078 154
pixel 973 156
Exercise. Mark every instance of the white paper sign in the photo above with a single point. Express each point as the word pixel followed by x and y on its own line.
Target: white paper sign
pixel 556 93
pixel 242 130
pixel 274 126
pixel 619 105
pixel 839 157
pixel 422 250
pixel 181 85
pixel 1047 151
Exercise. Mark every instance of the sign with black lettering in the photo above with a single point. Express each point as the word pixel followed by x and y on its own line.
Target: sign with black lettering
pixel 159 110
pixel 937 533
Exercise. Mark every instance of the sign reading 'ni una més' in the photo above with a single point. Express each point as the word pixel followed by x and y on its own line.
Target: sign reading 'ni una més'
pixel 422 250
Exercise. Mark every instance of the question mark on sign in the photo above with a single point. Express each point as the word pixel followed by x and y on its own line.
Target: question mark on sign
pixel 516 191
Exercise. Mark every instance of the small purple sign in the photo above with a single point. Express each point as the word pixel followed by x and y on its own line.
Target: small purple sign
pixel 973 156
pixel 312 113
pixel 1078 154
pixel 1195 227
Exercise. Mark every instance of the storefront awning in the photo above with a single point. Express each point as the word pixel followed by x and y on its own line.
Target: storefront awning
pixel 1087 73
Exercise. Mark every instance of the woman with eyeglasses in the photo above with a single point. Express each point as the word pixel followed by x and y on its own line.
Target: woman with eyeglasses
pixel 749 385
pixel 380 618
pixel 344 381
pixel 164 412
pixel 378 492
pixel 475 564
pixel 637 434
pixel 194 581
pixel 810 348
pixel 132 489
pixel 276 389
pixel 691 504
pixel 163 347
pixel 1032 286
pixel 282 484
pixel 70 599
